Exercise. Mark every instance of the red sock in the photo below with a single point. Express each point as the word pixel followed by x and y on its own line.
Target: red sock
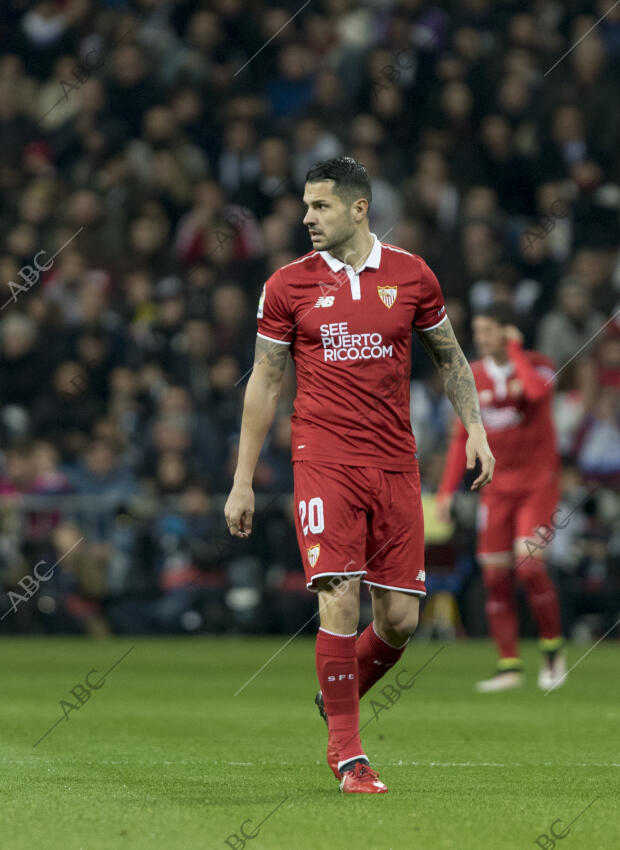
pixel 542 597
pixel 336 667
pixel 374 657
pixel 501 610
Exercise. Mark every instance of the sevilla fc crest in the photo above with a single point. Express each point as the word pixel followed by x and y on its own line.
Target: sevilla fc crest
pixel 313 554
pixel 388 295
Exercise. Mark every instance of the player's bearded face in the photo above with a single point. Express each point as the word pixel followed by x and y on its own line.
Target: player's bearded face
pixel 329 218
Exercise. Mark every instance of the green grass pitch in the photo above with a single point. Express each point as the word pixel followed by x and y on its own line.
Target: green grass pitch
pixel 164 755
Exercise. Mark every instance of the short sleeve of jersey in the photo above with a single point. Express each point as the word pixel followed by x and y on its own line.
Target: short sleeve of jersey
pixel 431 310
pixel 275 320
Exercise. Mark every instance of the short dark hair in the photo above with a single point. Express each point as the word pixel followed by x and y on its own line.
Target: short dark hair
pixel 350 177
pixel 500 312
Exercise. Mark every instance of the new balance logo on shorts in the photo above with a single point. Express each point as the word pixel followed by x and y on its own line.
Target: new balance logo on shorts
pixel 421 576
pixel 324 301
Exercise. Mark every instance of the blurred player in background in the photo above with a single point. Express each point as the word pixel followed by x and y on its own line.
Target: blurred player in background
pixel 516 511
pixel 346 312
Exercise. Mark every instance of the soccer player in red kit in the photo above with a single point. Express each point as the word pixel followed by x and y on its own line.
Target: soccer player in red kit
pixel 346 312
pixel 516 511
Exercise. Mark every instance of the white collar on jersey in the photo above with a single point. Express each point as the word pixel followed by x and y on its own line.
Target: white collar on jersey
pixel 372 261
pixel 499 374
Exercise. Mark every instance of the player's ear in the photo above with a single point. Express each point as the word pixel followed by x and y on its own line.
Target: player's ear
pixel 360 209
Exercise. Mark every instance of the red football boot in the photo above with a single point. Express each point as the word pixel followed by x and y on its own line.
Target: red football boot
pixel 362 779
pixel 332 750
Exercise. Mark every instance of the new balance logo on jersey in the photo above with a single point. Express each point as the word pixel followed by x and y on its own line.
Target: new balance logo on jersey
pixel 421 576
pixel 324 301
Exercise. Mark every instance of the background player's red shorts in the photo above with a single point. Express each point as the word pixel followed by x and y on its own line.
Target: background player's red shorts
pixel 360 521
pixel 506 517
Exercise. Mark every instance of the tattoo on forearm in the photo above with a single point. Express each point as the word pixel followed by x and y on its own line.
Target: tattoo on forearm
pixel 271 354
pixel 445 351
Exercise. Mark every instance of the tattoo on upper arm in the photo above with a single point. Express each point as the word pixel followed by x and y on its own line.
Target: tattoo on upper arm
pixel 444 350
pixel 272 355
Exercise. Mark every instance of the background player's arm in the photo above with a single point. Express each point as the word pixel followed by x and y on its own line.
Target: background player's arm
pixel 536 386
pixel 259 409
pixel 458 380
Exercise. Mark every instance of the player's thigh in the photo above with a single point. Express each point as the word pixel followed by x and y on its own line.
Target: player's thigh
pixel 330 521
pixel 395 544
pixel 495 525
pixel 534 521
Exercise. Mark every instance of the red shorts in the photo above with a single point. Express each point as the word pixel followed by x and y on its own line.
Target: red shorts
pixel 504 518
pixel 354 520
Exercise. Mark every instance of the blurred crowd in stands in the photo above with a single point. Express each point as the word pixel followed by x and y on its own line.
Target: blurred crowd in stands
pixel 153 162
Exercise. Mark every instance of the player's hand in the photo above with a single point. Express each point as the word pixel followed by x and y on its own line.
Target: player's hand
pixel 239 510
pixel 513 334
pixel 443 507
pixel 478 448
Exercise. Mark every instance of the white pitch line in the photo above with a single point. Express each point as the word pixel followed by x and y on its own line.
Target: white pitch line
pixel 264 762
pixel 433 764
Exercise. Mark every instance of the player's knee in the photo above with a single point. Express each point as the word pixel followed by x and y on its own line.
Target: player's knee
pixel 530 570
pixel 494 578
pixel 399 625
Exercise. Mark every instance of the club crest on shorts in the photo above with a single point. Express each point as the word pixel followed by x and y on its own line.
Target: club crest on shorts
pixel 388 295
pixel 313 554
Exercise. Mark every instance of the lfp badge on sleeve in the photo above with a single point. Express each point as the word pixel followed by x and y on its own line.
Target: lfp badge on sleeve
pixel 261 301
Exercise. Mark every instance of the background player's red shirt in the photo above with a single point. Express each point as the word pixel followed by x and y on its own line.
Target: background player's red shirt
pixel 350 338
pixel 515 401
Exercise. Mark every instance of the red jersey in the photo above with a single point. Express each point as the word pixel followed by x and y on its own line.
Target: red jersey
pixel 515 402
pixel 350 338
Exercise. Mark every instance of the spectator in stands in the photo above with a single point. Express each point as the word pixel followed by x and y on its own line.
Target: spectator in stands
pixel 99 474
pixel 568 328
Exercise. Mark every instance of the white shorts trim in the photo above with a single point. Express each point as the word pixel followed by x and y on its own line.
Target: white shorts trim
pixel 321 575
pixel 271 339
pixel 391 587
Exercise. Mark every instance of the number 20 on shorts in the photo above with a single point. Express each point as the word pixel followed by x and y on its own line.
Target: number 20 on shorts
pixel 316 523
